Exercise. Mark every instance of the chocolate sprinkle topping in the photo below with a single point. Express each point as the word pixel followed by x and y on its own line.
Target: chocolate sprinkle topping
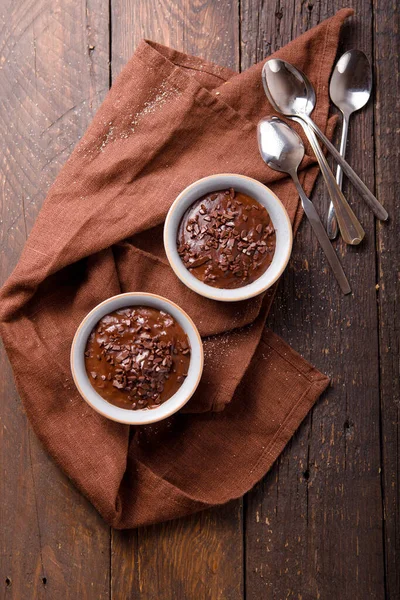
pixel 137 357
pixel 226 239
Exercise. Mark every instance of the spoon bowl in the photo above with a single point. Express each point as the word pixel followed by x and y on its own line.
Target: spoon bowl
pixel 351 82
pixel 287 89
pixel 280 146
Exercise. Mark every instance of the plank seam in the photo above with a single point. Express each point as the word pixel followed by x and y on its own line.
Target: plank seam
pixel 379 316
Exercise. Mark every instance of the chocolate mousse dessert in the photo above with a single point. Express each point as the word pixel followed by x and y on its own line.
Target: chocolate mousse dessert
pixel 226 239
pixel 137 357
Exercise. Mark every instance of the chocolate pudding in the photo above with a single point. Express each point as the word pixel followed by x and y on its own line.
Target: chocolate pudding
pixel 137 357
pixel 226 239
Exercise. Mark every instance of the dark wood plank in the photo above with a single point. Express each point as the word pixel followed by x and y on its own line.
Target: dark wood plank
pixel 314 525
pixel 202 27
pixel 195 558
pixel 387 160
pixel 53 76
pixel 200 556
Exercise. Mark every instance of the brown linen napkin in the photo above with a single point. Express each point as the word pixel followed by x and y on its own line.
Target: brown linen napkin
pixel 168 120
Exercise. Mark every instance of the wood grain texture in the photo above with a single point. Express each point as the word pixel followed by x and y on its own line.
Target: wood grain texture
pixel 266 26
pixel 53 75
pixel 199 557
pixel 205 28
pixel 314 525
pixel 387 161
pixel 196 558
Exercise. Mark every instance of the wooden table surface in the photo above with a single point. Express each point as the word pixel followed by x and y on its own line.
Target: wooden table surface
pixel 325 522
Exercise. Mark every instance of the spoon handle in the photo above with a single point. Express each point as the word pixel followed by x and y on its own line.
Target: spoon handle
pixel 331 225
pixel 368 196
pixel 349 226
pixel 322 236
pixel 342 149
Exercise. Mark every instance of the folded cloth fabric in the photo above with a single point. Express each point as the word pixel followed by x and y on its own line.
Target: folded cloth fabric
pixel 168 120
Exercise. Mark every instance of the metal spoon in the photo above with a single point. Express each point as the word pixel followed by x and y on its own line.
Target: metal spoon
pixel 288 90
pixel 283 150
pixel 350 90
pixel 350 228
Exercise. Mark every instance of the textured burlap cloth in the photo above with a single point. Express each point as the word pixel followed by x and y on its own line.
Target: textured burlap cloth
pixel 168 120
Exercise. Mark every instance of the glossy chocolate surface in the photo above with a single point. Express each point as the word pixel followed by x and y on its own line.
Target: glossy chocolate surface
pixel 226 239
pixel 137 357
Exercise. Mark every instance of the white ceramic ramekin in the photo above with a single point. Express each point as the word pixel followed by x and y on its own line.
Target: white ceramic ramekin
pixel 264 196
pixel 142 416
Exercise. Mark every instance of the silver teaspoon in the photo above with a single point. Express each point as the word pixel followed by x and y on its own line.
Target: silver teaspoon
pixel 290 93
pixel 283 150
pixel 350 89
pixel 350 228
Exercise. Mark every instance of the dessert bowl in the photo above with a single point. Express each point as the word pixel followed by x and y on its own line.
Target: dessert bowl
pixel 243 185
pixel 144 415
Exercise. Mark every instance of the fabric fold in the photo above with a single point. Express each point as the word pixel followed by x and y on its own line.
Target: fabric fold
pixel 168 120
